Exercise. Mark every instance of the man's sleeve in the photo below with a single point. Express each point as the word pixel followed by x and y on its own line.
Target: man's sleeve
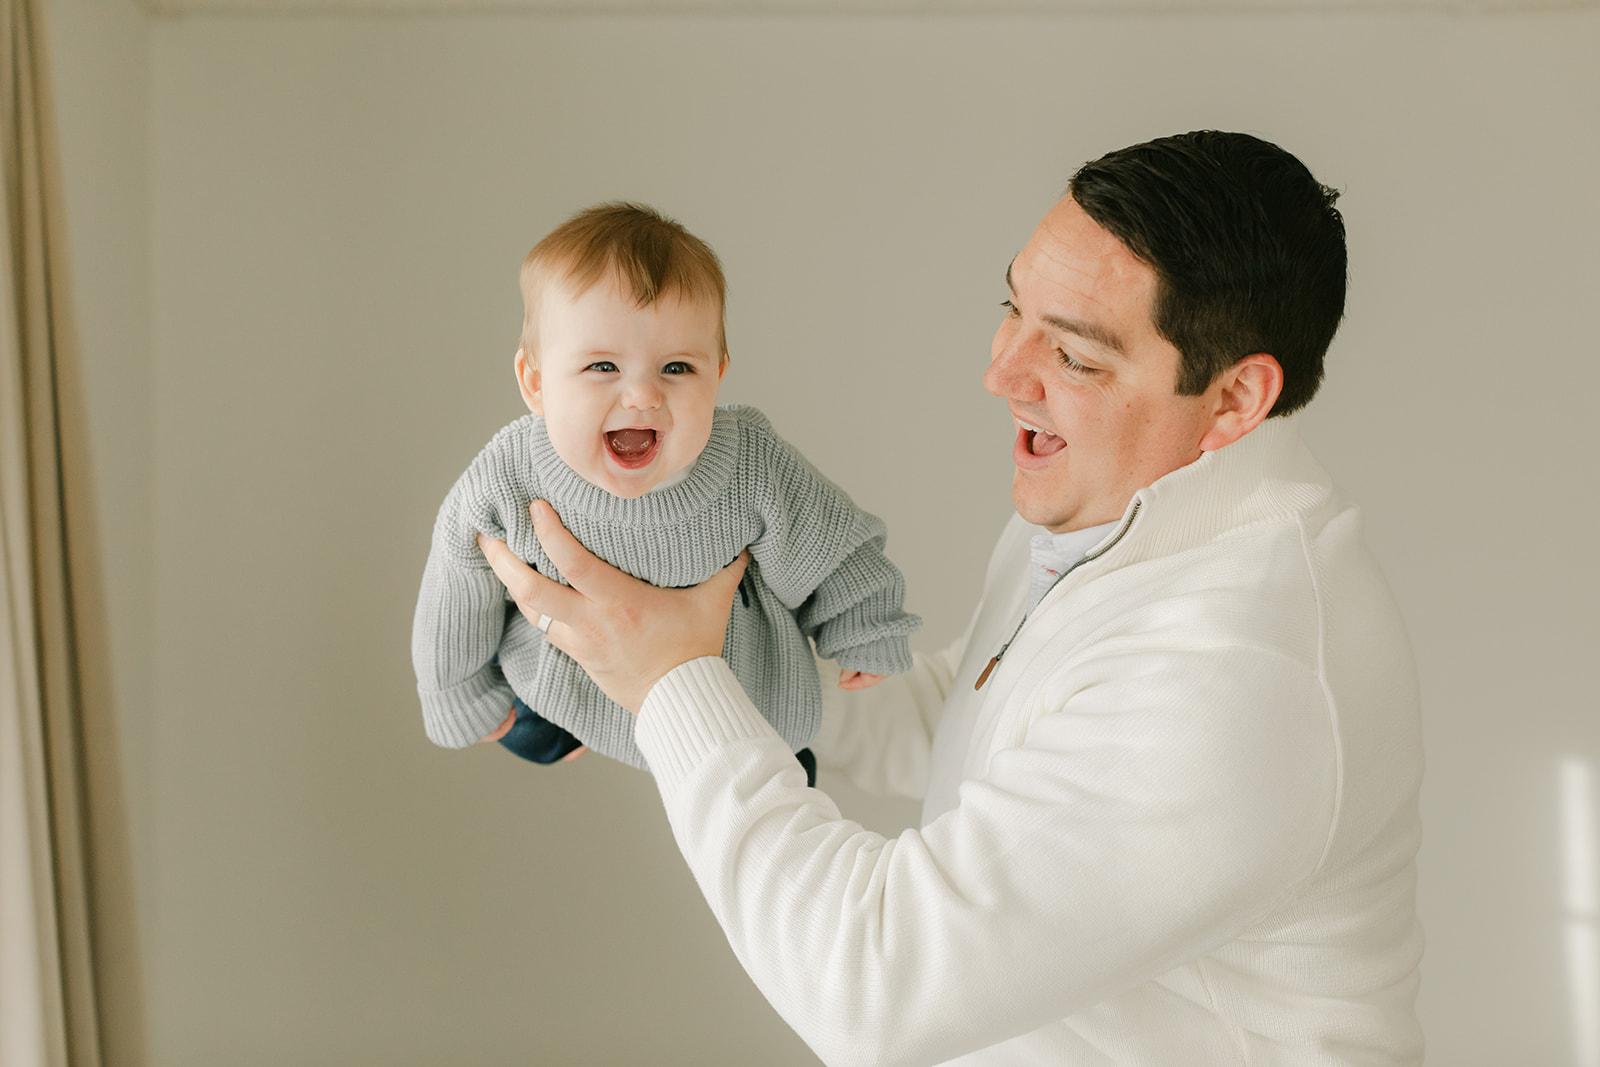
pixel 882 738
pixel 456 630
pixel 1145 820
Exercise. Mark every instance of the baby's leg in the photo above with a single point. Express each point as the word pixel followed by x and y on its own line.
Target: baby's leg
pixel 533 737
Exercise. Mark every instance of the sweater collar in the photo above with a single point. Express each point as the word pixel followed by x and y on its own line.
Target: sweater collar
pixel 706 480
pixel 1267 475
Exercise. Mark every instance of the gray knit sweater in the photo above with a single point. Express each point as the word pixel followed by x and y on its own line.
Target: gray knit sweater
pixel 817 571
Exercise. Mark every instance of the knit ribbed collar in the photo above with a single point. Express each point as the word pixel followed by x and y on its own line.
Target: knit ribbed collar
pixel 709 477
pixel 1267 475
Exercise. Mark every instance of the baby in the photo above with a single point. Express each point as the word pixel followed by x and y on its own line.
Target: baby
pixel 622 353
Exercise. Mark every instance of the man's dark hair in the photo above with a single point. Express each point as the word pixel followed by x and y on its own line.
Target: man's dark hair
pixel 1247 248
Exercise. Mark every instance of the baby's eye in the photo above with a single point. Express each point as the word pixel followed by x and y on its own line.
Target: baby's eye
pixel 605 366
pixel 677 366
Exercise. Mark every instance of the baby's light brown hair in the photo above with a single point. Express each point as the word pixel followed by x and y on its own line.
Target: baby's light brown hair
pixel 650 255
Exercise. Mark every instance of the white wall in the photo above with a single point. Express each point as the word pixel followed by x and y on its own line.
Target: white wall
pixel 335 210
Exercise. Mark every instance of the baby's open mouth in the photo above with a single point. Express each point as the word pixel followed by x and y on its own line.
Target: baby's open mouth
pixel 632 447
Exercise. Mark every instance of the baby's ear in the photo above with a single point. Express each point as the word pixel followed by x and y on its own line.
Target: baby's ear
pixel 528 382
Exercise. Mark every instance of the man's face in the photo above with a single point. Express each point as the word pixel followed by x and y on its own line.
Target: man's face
pixel 627 393
pixel 1088 379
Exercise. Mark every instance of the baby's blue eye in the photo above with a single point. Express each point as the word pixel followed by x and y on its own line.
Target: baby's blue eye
pixel 677 366
pixel 603 365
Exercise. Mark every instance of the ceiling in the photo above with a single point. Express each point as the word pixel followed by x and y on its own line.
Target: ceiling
pixel 841 7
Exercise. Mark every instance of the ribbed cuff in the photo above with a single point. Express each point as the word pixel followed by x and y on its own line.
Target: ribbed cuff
pixel 460 716
pixel 695 708
pixel 889 655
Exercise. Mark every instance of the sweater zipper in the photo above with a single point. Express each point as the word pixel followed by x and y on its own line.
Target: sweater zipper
pixel 995 661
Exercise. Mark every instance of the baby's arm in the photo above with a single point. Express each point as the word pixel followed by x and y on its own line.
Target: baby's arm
pixel 460 616
pixel 855 615
pixel 454 636
pixel 824 557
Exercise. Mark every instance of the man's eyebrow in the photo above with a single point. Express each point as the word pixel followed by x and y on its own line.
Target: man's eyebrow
pixel 1089 331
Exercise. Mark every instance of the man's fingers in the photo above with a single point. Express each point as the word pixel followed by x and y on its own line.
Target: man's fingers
pixel 535 594
pixel 728 578
pixel 588 573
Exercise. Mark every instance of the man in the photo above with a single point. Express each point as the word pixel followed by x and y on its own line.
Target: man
pixel 1171 773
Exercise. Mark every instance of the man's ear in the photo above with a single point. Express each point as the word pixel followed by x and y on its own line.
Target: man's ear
pixel 528 382
pixel 1244 394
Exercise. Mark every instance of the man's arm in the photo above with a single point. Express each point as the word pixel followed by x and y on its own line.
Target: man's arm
pixel 1153 810
pixel 1082 863
pixel 882 738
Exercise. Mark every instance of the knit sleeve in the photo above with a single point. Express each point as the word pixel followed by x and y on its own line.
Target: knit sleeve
pixel 460 615
pixel 824 557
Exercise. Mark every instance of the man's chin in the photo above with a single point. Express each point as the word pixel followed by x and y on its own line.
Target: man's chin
pixel 1026 499
pixel 1055 515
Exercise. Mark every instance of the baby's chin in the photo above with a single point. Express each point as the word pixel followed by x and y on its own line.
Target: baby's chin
pixel 628 483
pixel 625 472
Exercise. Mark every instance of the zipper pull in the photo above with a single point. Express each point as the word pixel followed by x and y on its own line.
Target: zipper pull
pixel 984 677
pixel 994 662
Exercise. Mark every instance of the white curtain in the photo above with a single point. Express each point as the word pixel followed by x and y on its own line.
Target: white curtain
pixel 66 936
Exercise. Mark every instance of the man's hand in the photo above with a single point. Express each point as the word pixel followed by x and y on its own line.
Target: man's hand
pixel 626 633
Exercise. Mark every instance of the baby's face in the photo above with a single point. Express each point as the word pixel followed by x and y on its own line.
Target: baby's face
pixel 627 393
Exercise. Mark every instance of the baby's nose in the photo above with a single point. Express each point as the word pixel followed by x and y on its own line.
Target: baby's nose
pixel 642 395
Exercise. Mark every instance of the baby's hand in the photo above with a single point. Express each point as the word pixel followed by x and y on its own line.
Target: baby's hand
pixel 858 679
pixel 504 728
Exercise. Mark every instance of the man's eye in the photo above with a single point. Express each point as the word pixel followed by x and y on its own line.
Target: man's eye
pixel 1011 309
pixel 677 366
pixel 605 366
pixel 1073 365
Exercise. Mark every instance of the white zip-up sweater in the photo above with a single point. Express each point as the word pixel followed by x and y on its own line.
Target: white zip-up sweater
pixel 1177 826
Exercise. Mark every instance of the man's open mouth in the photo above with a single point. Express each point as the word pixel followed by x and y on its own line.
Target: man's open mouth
pixel 633 448
pixel 1040 442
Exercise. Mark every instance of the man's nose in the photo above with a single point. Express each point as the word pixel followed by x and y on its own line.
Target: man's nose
pixel 1012 372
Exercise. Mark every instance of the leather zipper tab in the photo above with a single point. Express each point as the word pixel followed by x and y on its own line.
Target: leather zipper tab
pixel 984 677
